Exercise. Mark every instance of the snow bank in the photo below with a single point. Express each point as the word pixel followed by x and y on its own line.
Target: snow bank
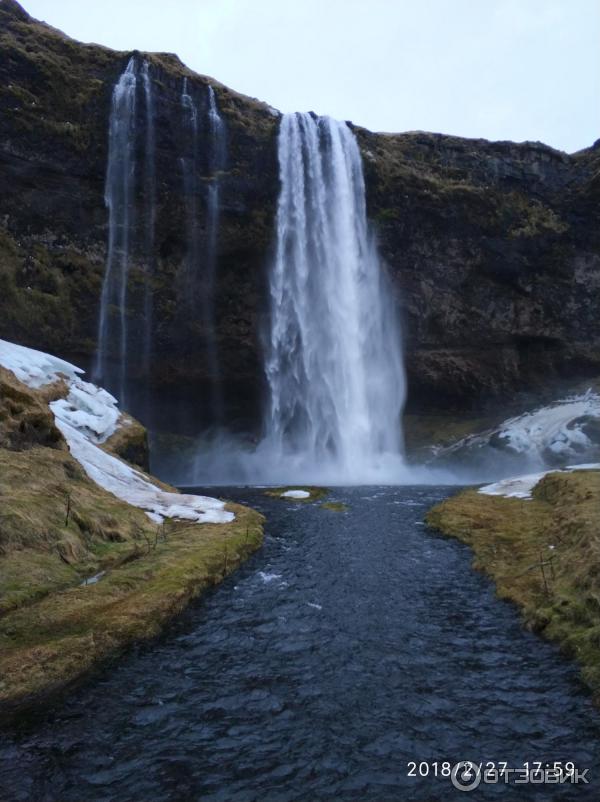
pixel 556 434
pixel 88 416
pixel 131 486
pixel 295 494
pixel 558 428
pixel 521 486
pixel 87 407
pixel 35 368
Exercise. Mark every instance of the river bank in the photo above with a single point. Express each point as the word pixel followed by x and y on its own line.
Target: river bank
pixel 543 553
pixel 49 644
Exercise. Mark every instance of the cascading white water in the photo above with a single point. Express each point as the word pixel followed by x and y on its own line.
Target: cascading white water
pixel 333 354
pixel 119 188
pixel 124 236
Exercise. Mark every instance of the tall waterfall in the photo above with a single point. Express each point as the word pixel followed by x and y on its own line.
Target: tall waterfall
pixel 127 234
pixel 118 196
pixel 333 354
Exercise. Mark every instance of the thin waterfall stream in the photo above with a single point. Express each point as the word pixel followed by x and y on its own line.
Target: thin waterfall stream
pixel 130 219
pixel 217 157
pixel 149 217
pixel 111 357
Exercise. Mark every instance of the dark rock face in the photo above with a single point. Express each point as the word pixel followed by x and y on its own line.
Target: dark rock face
pixel 493 248
pixel 495 251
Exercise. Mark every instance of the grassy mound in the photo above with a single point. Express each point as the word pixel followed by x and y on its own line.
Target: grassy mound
pixel 334 506
pixel 543 554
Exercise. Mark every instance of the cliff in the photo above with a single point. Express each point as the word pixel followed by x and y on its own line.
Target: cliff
pixel 493 248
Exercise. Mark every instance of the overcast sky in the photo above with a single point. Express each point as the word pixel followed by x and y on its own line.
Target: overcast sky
pixel 500 69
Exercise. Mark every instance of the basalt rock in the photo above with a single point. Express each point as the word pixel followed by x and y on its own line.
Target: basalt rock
pixel 493 248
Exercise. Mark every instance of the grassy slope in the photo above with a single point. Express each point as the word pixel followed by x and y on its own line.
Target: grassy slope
pixel 559 531
pixel 46 645
pixel 56 528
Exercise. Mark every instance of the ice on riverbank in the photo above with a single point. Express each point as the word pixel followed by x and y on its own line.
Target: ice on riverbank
pixel 522 486
pixel 87 417
pixel 555 435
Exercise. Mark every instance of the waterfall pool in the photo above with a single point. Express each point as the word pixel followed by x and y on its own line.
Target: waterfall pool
pixel 353 645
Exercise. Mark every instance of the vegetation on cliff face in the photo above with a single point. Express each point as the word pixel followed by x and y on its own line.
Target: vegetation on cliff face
pixel 57 528
pixel 543 554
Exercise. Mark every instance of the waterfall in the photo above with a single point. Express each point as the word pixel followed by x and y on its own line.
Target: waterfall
pixel 190 192
pixel 121 192
pixel 118 196
pixel 149 217
pixel 200 267
pixel 217 155
pixel 333 352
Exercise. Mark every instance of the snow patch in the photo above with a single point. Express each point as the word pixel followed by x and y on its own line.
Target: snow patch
pixel 35 368
pixel 551 435
pixel 89 409
pixel 295 494
pixel 521 486
pixel 88 416
pixel 557 427
pixel 131 486
pixel 86 407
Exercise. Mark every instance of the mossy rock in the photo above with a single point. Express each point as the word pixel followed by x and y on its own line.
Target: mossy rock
pixel 334 506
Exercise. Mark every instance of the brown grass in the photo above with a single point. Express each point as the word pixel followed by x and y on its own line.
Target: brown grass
pixel 48 644
pixel 543 554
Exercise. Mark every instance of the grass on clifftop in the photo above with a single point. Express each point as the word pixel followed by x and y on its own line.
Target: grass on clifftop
pixel 543 554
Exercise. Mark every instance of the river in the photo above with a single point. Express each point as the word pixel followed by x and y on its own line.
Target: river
pixel 352 644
